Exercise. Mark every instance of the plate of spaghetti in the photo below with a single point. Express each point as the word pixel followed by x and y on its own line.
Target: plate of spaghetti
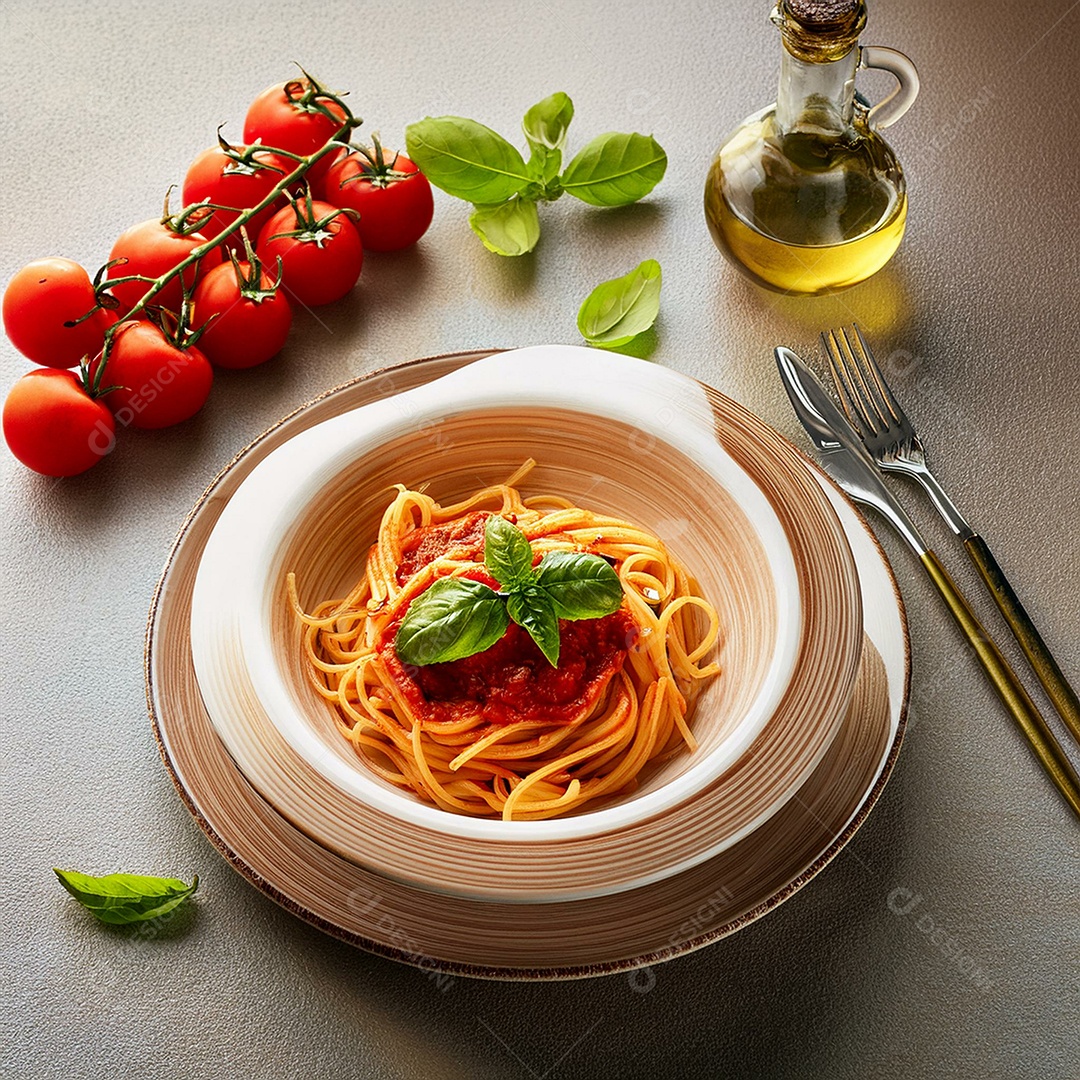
pixel 556 625
pixel 503 732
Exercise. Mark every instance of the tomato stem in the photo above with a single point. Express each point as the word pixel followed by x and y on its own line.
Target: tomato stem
pixel 249 284
pixel 310 228
pixel 188 219
pixel 376 170
pixel 310 98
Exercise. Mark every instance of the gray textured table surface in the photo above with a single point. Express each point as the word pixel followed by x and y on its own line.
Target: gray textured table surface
pixel 104 105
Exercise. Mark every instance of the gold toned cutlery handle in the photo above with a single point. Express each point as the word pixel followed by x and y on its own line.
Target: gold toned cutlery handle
pixel 1007 685
pixel 1050 675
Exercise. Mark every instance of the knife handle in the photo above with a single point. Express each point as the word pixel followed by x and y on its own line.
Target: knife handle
pixel 1050 675
pixel 1007 685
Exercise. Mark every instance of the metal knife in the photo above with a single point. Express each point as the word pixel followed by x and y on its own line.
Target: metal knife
pixel 848 462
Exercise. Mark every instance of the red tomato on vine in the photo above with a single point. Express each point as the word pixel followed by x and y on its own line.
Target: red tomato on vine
pixel 244 312
pixel 45 309
pixel 53 426
pixel 151 249
pixel 160 378
pixel 217 174
pixel 297 116
pixel 388 191
pixel 319 247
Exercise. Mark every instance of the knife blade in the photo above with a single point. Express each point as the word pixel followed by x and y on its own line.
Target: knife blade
pixel 848 462
pixel 840 450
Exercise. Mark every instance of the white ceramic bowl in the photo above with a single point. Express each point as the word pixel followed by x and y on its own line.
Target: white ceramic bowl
pixel 615 435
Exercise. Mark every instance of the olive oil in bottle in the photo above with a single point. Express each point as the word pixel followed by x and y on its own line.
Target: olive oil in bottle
pixel 806 196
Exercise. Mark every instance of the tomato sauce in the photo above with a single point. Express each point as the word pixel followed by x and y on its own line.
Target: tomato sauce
pixel 464 536
pixel 512 680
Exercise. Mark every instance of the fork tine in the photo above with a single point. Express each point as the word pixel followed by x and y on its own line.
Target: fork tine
pixel 861 379
pixel 843 380
pixel 871 365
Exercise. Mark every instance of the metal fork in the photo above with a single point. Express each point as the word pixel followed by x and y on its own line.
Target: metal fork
pixel 893 443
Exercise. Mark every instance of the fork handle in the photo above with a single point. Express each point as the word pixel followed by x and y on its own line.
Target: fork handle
pixel 1050 675
pixel 1008 686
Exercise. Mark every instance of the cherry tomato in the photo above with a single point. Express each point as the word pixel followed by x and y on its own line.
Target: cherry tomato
pixel 152 248
pixel 214 175
pixel 53 426
pixel 40 299
pixel 321 255
pixel 393 200
pixel 253 318
pixel 280 116
pixel 158 384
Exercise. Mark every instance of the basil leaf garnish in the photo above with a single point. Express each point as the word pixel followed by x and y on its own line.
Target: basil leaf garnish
pixel 466 159
pixel 615 169
pixel 532 609
pixel 126 898
pixel 509 228
pixel 546 123
pixel 581 586
pixel 457 617
pixel 452 619
pixel 616 311
pixel 507 553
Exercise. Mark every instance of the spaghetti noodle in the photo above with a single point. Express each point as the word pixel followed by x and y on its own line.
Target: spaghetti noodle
pixel 502 733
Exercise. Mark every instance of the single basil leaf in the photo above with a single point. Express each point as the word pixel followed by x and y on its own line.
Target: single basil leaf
pixel 452 619
pixel 507 553
pixel 615 169
pixel 510 228
pixel 581 586
pixel 466 159
pixel 531 607
pixel 616 311
pixel 126 898
pixel 546 122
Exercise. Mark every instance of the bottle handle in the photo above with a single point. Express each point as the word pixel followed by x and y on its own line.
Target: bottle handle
pixel 890 108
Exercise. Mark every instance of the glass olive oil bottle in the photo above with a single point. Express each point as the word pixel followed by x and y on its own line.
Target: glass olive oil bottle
pixel 806 196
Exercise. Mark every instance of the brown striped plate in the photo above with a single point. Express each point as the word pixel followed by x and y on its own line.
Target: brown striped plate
pixel 448 934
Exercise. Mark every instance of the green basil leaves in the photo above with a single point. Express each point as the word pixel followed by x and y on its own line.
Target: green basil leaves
pixel 578 584
pixel 451 620
pixel 507 553
pixel 532 609
pixel 546 123
pixel 472 162
pixel 457 617
pixel 466 159
pixel 615 170
pixel 509 228
pixel 126 898
pixel 616 311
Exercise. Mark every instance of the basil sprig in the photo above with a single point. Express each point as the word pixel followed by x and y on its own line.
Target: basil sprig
pixel 126 898
pixel 456 617
pixel 472 162
pixel 616 311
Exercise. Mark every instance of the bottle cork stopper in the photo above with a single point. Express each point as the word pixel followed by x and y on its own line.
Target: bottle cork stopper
pixel 824 15
pixel 820 31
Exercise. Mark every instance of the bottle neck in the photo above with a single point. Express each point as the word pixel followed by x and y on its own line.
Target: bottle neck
pixel 816 96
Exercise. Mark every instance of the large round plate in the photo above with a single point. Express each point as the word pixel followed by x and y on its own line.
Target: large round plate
pixel 772 556
pixel 502 940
